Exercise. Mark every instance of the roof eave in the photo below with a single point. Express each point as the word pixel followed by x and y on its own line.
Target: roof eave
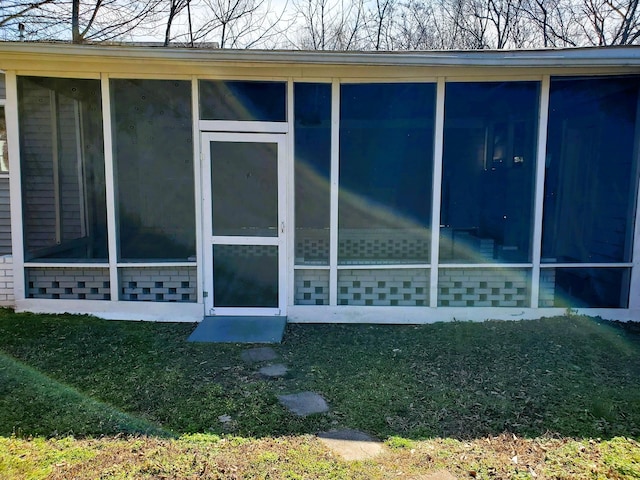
pixel 628 56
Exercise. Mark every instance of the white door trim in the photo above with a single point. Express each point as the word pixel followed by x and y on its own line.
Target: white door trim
pixel 207 228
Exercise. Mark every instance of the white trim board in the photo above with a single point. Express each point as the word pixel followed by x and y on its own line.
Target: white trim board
pixel 426 315
pixel 118 310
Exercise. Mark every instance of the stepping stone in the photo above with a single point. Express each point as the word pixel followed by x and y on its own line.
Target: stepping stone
pixel 274 371
pixel 304 403
pixel 261 354
pixel 351 444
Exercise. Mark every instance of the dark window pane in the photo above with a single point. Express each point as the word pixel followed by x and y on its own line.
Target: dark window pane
pixel 62 157
pixel 312 171
pixel 245 276
pixel 584 287
pixel 386 162
pixel 488 172
pixel 153 149
pixel 590 170
pixel 243 100
pixel 244 189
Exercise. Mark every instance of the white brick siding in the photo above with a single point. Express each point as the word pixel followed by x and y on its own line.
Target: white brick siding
pixel 483 287
pixel 402 287
pixel 68 283
pixel 7 297
pixel 547 287
pixel 158 284
pixel 312 287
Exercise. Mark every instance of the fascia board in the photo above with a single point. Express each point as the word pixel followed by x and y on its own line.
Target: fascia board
pixel 628 56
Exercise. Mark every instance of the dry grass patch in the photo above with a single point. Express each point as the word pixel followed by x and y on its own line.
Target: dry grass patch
pixel 304 457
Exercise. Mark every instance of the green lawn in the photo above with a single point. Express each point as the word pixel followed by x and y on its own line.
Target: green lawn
pixel 468 397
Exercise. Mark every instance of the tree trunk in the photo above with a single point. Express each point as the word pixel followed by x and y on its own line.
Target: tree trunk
pixel 75 22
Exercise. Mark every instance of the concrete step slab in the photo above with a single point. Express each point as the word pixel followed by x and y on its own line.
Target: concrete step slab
pixel 274 371
pixel 304 403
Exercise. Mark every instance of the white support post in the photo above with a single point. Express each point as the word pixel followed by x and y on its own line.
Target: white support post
pixel 111 188
pixel 333 219
pixel 536 247
pixel 438 142
pixel 198 186
pixel 15 185
pixel 290 220
pixel 634 282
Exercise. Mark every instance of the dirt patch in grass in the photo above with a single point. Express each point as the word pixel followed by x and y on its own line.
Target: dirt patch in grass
pixel 304 457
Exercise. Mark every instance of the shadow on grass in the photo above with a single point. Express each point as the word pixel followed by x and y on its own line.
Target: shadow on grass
pixel 567 376
pixel 62 409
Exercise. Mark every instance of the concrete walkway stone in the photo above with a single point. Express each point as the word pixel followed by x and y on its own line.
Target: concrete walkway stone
pixel 274 371
pixel 304 403
pixel 261 354
pixel 351 444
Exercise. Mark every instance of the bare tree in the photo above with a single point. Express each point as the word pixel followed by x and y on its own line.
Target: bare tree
pixel 104 20
pixel 488 23
pixel 329 24
pixel 232 23
pixel 611 22
pixel 29 20
pixel 96 21
pixel 416 26
pixel 232 18
pixel 441 24
pixel 175 8
pixel 14 12
pixel 380 24
pixel 554 21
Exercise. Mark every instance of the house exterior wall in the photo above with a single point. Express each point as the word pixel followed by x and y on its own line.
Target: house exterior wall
pixel 38 195
pixel 7 297
pixel 343 270
pixel 5 216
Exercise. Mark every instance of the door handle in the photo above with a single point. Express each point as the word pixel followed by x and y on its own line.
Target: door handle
pixel 281 227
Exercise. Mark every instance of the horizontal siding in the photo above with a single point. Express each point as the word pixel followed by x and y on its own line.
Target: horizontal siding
pixel 70 195
pixel 37 167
